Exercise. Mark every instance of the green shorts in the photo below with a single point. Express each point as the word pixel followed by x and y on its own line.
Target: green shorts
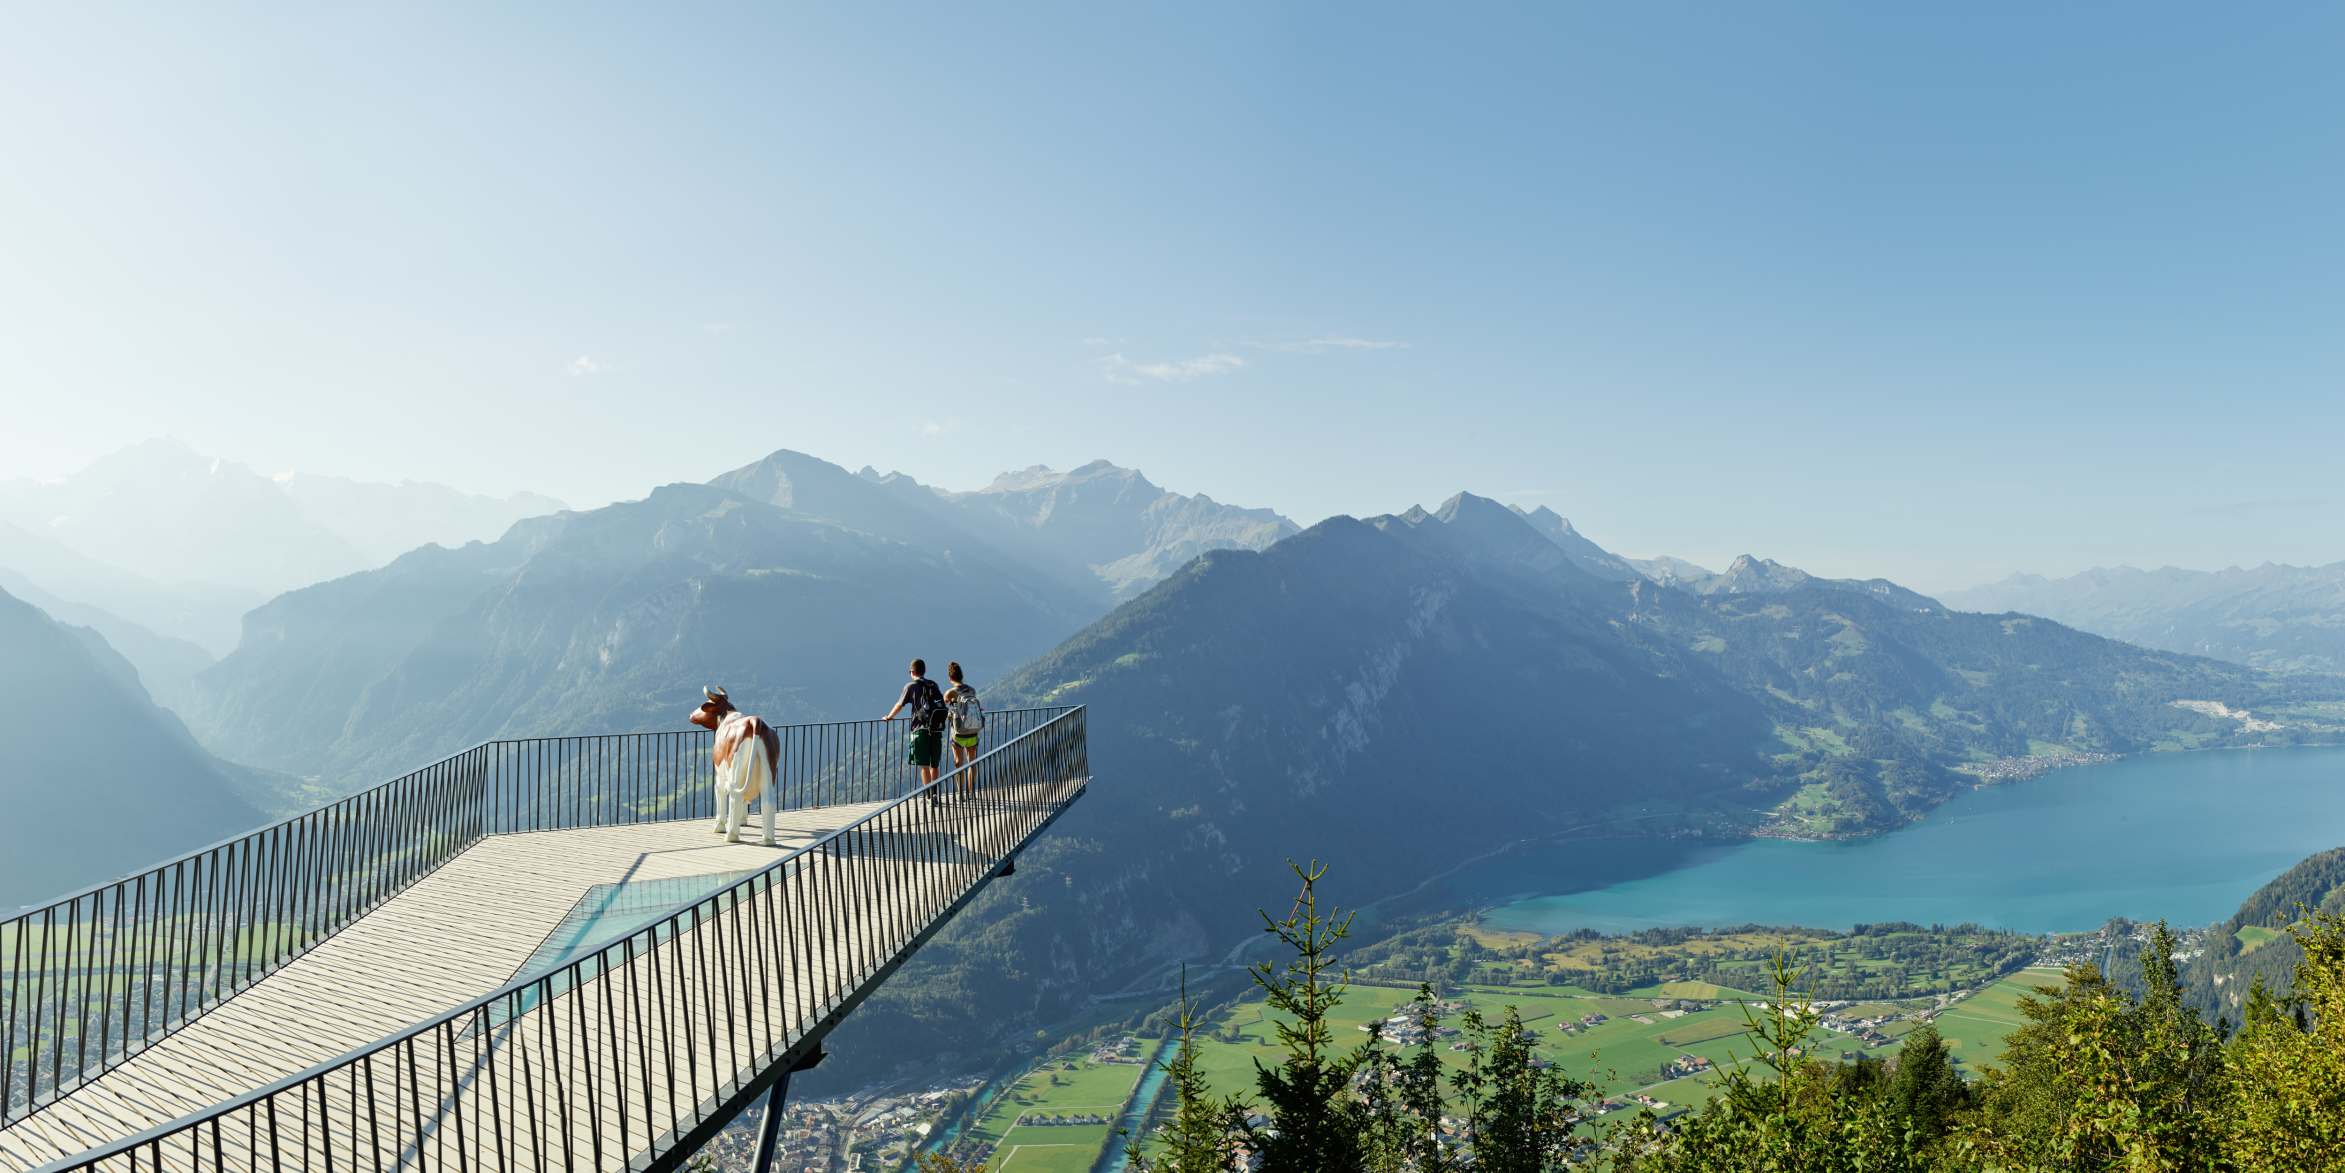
pixel 927 747
pixel 965 740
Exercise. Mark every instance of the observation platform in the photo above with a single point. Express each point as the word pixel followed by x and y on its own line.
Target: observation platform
pixel 535 955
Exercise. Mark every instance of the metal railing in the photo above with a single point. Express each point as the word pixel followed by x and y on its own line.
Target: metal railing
pixel 94 978
pixel 618 1057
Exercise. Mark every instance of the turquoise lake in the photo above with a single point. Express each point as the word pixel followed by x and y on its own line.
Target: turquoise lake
pixel 2180 836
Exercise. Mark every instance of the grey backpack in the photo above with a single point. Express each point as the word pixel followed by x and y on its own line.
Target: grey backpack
pixel 968 712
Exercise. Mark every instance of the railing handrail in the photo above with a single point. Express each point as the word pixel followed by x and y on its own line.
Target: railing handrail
pixel 521 985
pixel 217 846
pixel 88 890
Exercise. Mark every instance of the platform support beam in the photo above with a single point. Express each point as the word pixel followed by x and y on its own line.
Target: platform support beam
pixel 769 1130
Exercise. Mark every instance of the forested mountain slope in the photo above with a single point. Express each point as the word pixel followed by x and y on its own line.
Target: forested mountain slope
pixel 2255 944
pixel 2251 945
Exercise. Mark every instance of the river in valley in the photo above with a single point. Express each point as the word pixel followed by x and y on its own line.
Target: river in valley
pixel 2182 836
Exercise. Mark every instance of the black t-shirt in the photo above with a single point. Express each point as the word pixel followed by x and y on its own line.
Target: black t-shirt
pixel 924 701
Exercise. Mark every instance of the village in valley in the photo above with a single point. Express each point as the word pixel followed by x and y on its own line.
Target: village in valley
pixel 1998 771
pixel 868 1132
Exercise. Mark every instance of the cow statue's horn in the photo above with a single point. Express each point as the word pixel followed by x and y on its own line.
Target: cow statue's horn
pixel 712 692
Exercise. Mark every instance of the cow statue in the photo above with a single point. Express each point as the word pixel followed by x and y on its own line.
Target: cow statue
pixel 744 756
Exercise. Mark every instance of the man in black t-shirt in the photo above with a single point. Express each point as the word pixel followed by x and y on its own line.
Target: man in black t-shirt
pixel 927 705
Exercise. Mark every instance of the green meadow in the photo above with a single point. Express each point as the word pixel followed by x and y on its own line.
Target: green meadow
pixel 1071 1086
pixel 2253 937
pixel 1974 1028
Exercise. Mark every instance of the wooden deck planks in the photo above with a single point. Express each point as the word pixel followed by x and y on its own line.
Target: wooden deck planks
pixel 452 936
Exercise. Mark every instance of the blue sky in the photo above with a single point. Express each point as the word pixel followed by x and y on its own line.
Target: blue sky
pixel 1935 292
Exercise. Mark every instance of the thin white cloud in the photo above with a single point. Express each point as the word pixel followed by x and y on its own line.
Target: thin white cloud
pixel 1322 345
pixel 583 366
pixel 1119 369
pixel 717 328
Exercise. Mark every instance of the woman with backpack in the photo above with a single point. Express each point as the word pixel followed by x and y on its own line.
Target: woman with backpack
pixel 968 721
pixel 927 703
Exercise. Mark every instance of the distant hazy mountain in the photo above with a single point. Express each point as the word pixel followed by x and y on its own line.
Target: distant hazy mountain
pixel 1113 523
pixel 1747 575
pixel 1670 571
pixel 166 666
pixel 1098 521
pixel 1099 528
pixel 1586 555
pixel 799 585
pixel 1399 694
pixel 199 526
pixel 204 614
pixel 97 781
pixel 802 588
pixel 384 521
pixel 164 511
pixel 2281 618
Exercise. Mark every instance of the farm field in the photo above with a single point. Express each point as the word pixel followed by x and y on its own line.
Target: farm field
pixel 1065 1087
pixel 2253 937
pixel 1974 1028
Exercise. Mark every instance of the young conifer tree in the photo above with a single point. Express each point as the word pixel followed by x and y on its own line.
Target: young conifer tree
pixel 1201 1136
pixel 1316 1125
pixel 1925 1091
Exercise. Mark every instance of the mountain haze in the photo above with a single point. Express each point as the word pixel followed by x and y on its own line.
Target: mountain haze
pixel 1670 571
pixel 166 666
pixel 207 615
pixel 1115 524
pixel 191 524
pixel 384 521
pixel 98 781
pixel 611 620
pixel 2279 618
pixel 800 586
